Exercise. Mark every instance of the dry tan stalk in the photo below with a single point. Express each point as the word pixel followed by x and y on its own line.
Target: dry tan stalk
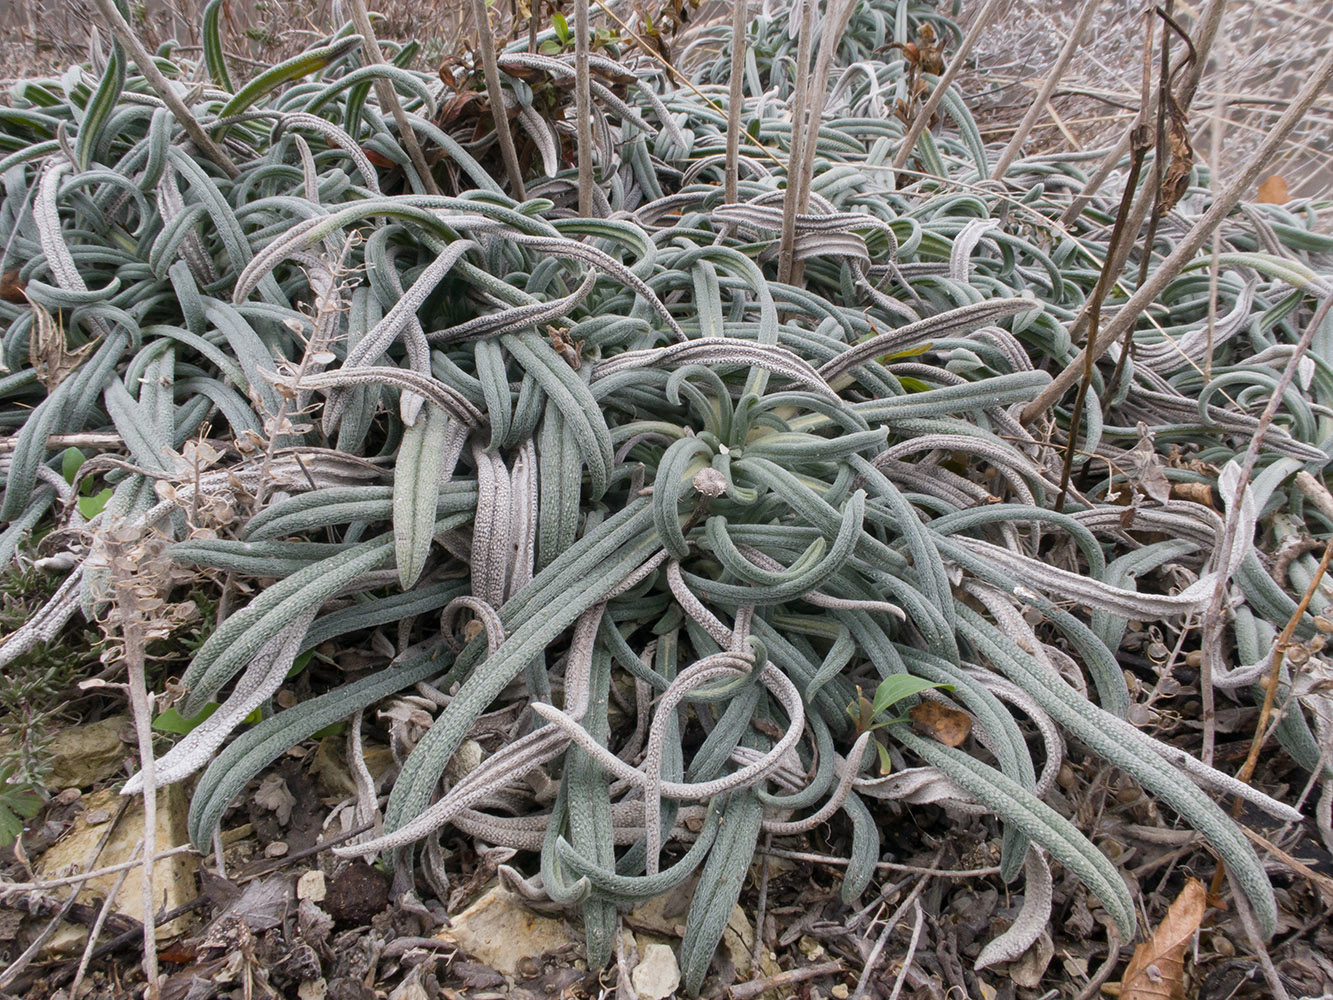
pixel 756 987
pixel 1218 128
pixel 1042 100
pixel 836 18
pixel 144 60
pixel 135 651
pixel 44 885
pixel 796 152
pixel 96 931
pixel 1203 44
pixel 1191 242
pixel 956 62
pixel 389 97
pixel 492 72
pixel 583 106
pixel 737 98
pixel 55 442
pixel 1207 32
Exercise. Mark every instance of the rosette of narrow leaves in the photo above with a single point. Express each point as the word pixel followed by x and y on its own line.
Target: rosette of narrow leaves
pixel 610 480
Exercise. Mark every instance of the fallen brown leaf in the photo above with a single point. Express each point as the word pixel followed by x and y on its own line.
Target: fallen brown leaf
pixel 1157 970
pixel 948 725
pixel 1194 492
pixel 49 350
pixel 1175 182
pixel 1273 191
pixel 11 288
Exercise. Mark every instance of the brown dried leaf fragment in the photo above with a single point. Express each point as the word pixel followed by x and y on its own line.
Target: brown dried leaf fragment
pixel 947 725
pixel 274 796
pixel 1176 180
pixel 51 357
pixel 1145 467
pixel 11 288
pixel 1200 493
pixel 1273 191
pixel 1157 969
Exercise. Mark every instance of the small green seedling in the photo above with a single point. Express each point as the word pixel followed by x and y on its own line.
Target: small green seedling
pixel 17 803
pixel 866 712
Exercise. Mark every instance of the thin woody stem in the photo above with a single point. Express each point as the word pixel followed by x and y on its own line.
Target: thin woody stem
pixel 737 98
pixel 494 92
pixel 583 106
pixel 162 86
pixel 1192 241
pixel 1040 102
pixel 389 97
pixel 933 101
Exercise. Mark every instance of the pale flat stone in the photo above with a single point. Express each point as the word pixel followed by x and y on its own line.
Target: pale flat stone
pixel 738 939
pixel 312 886
pixel 83 755
pixel 658 974
pixel 173 877
pixel 664 914
pixel 499 930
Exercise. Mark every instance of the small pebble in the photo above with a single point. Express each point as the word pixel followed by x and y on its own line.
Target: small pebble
pixel 312 886
pixel 276 849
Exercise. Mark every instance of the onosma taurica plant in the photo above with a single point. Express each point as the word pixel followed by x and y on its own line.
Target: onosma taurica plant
pixel 616 478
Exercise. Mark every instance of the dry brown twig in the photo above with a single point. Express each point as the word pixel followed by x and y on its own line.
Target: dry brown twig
pixel 1256 939
pixel 1042 101
pixel 1208 26
pixel 906 964
pixel 757 987
pixel 95 931
pixel 16 967
pixel 956 62
pixel 144 60
pixel 873 958
pixel 389 97
pixel 1139 139
pixel 884 866
pixel 1317 879
pixel 1189 245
